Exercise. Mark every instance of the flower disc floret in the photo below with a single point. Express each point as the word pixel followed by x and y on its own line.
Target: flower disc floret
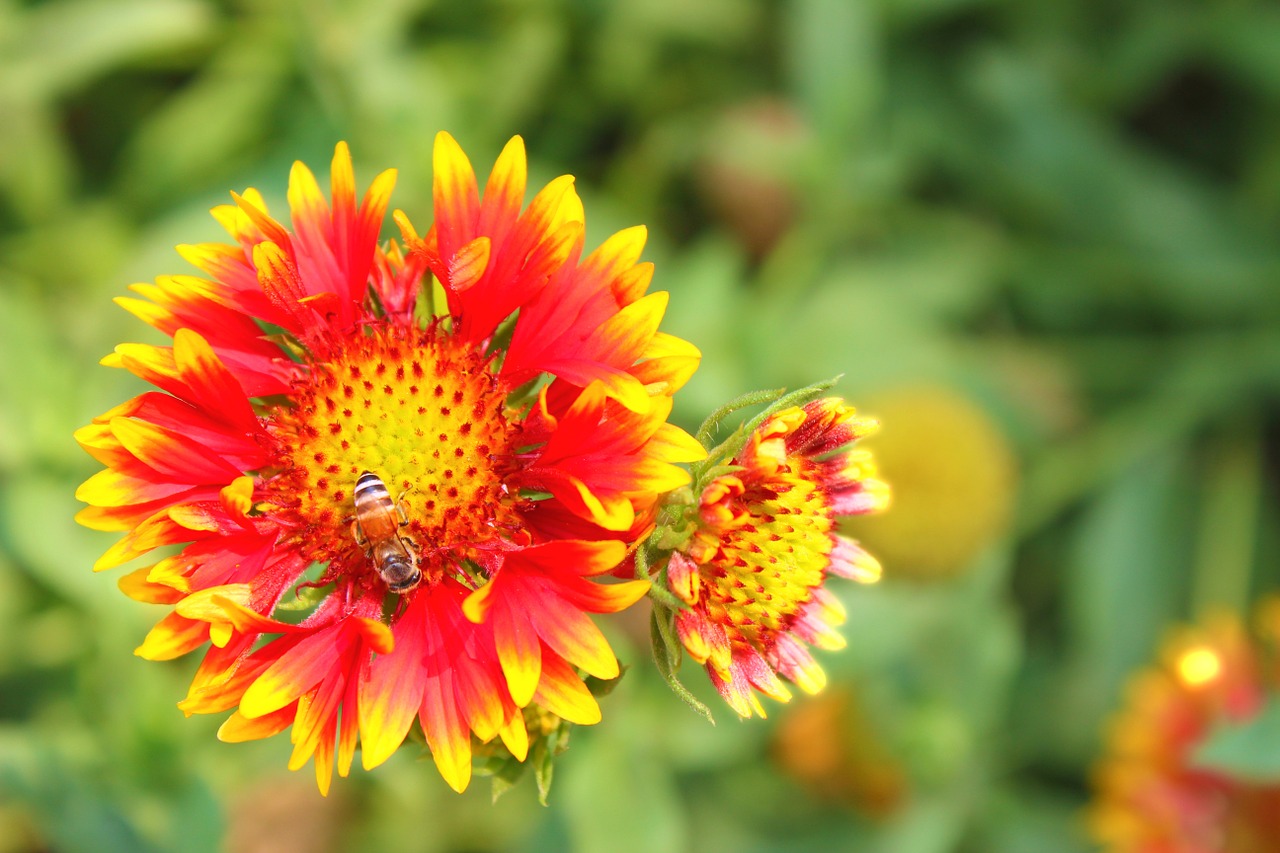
pixel 769 559
pixel 429 416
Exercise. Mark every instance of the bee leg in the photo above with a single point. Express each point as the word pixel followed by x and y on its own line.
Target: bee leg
pixel 358 535
pixel 404 519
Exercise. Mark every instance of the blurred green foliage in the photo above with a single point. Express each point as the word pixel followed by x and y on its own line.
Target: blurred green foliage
pixel 1063 211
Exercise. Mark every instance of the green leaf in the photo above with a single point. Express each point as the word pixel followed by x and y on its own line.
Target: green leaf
pixel 603 686
pixel 666 649
pixel 1248 751
pixel 642 559
pixel 77 815
pixel 1124 580
pixel 198 819
pixel 1021 817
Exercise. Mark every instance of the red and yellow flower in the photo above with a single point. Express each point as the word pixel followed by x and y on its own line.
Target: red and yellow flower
pixel 523 422
pixel 1151 796
pixel 753 572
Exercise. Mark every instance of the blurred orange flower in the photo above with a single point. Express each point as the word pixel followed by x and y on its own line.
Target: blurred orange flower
pixel 832 748
pixel 1150 796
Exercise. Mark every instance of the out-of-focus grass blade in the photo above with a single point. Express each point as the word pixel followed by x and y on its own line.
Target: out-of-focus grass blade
pixel 75 816
pixel 64 44
pixel 1244 39
pixel 1165 233
pixel 1227 535
pixel 207 128
pixel 1124 583
pixel 1202 380
pixel 619 796
pixel 833 53
pixel 1018 820
pixel 35 163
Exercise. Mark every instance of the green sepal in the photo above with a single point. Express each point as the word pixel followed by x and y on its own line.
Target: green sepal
pixel 660 541
pixel 743 401
pixel 604 686
pixel 667 655
pixel 542 756
pixel 662 597
pixel 504 773
pixel 729 448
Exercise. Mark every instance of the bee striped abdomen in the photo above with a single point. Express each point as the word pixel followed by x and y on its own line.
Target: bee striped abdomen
pixel 377 530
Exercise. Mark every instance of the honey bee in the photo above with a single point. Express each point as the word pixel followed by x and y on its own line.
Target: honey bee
pixel 377 530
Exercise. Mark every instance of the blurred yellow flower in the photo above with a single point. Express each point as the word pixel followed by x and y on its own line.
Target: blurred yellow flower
pixel 953 476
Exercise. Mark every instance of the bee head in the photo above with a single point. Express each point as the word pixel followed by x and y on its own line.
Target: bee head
pixel 400 573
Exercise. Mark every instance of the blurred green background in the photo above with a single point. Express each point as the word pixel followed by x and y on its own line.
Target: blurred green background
pixel 1038 240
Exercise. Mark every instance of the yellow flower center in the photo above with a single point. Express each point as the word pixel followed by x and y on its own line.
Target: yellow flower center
pixel 1198 666
pixel 413 407
pixel 768 565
